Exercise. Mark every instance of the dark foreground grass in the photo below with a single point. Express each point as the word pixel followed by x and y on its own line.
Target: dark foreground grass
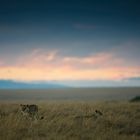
pixel 120 121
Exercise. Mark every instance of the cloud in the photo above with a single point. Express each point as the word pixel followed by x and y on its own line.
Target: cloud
pixel 94 61
pixel 65 73
pixel 1 62
pixel 51 65
pixel 129 51
pixel 37 57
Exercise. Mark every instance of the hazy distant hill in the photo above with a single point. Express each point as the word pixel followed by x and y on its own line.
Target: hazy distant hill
pixel 9 84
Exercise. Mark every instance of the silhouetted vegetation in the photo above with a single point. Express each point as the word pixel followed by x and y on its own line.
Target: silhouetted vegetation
pixel 135 99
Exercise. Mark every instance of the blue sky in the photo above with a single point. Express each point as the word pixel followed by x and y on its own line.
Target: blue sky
pixel 103 32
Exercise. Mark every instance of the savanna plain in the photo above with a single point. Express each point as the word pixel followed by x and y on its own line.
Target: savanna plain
pixel 71 120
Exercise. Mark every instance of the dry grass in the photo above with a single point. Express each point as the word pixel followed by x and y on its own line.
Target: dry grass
pixel 120 121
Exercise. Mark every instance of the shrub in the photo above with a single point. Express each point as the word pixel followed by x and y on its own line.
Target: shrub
pixel 135 99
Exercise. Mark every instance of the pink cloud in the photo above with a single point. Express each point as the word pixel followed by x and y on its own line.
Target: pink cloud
pixel 94 61
pixel 91 59
pixel 37 58
pixel 1 62
pixel 51 65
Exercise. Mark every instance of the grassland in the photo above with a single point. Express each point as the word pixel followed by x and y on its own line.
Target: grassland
pixel 81 94
pixel 120 121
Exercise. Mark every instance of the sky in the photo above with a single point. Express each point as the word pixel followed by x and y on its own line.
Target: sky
pixel 76 42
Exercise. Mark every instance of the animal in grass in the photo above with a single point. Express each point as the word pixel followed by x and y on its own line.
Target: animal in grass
pixel 95 115
pixel 30 111
pixel 98 113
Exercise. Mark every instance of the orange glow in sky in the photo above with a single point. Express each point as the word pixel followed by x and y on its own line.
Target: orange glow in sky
pixel 41 65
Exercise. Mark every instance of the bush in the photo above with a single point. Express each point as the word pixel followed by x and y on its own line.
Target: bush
pixel 135 99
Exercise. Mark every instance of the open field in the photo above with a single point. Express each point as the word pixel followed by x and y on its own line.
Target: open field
pixel 67 120
pixel 72 94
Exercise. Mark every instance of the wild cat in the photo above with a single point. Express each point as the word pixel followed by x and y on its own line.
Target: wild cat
pixel 30 110
pixel 98 112
pixel 95 115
